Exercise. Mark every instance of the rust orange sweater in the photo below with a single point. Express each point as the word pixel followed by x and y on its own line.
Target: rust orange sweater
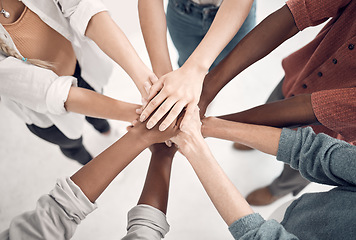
pixel 326 67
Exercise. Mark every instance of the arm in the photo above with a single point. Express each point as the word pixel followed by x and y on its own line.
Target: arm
pixel 231 205
pixel 182 88
pixel 41 90
pixel 113 160
pixel 93 104
pixel 295 111
pixel 58 214
pixel 319 158
pixel 154 30
pixel 108 36
pixel 272 32
pixel 156 188
pixel 147 220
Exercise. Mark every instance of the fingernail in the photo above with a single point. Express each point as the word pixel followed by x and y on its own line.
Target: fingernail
pixel 162 127
pixel 142 118
pixel 150 125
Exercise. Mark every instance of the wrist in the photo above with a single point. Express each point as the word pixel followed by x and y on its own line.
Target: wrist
pixel 195 66
pixel 207 126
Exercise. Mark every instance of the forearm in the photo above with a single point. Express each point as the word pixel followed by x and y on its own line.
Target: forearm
pixel 95 176
pixel 263 138
pixel 295 111
pixel 230 204
pixel 156 188
pixel 93 104
pixel 228 20
pixel 111 40
pixel 264 38
pixel 154 30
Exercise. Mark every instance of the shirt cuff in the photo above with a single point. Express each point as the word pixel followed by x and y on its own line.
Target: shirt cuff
pixel 74 202
pixel 57 94
pixel 300 13
pixel 287 139
pixel 245 224
pixel 148 216
pixel 86 9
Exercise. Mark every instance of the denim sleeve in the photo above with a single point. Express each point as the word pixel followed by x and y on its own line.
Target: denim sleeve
pixel 253 226
pixel 319 157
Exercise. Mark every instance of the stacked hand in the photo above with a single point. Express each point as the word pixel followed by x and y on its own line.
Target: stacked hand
pixel 171 94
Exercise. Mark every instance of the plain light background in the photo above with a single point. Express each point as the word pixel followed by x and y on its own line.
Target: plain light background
pixel 30 166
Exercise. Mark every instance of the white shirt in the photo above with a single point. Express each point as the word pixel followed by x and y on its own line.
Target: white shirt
pixel 38 95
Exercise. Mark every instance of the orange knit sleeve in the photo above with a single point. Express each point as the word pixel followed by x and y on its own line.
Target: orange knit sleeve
pixel 308 13
pixel 336 109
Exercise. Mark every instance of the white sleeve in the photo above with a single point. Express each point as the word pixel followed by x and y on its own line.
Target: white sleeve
pixel 79 12
pixel 36 88
pixel 56 216
pixel 146 223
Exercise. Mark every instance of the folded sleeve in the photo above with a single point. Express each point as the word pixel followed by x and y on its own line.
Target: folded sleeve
pixel 336 109
pixel 36 88
pixel 56 215
pixel 253 226
pixel 79 12
pixel 308 13
pixel 318 157
pixel 146 222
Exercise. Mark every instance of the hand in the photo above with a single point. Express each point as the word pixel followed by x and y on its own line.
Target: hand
pixel 154 135
pixel 190 137
pixel 176 90
pixel 145 86
pixel 161 148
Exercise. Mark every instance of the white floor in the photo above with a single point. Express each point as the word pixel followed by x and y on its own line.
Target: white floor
pixel 30 166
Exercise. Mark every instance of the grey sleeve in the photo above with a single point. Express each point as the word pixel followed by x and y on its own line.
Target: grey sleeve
pixel 319 157
pixel 146 222
pixel 253 226
pixel 56 215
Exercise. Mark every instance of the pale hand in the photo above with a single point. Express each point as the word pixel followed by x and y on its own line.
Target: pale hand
pixel 176 90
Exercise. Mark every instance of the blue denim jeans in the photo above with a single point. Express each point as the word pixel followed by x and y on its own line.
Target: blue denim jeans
pixel 188 23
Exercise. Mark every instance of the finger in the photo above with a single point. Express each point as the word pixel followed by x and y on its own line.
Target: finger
pixel 161 111
pixel 153 79
pixel 187 116
pixel 155 88
pixel 134 122
pixel 168 143
pixel 151 106
pixel 147 86
pixel 139 111
pixel 172 116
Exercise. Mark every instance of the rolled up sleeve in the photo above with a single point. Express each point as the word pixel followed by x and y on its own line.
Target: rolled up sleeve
pixel 79 13
pixel 308 13
pixel 253 226
pixel 336 110
pixel 146 222
pixel 33 87
pixel 56 216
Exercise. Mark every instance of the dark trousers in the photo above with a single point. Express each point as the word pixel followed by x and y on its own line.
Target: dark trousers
pixel 71 148
pixel 290 180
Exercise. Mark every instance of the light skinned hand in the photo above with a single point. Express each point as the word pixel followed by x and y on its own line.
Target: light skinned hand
pixel 172 93
pixel 151 136
pixel 189 135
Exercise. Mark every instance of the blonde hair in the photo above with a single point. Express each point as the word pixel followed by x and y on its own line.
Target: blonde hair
pixel 13 53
